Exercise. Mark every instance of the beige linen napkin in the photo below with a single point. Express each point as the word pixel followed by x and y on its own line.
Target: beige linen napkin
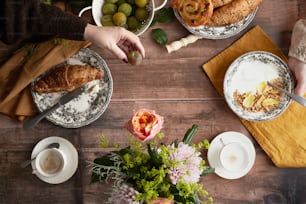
pixel 283 138
pixel 23 67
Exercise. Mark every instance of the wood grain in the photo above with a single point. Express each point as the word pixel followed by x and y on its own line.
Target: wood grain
pixel 176 87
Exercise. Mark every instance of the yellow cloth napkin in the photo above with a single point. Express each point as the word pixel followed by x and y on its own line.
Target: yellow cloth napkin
pixel 283 138
pixel 23 67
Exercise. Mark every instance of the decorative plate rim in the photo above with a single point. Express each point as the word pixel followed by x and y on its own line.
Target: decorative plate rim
pixel 258 117
pixel 202 31
pixel 107 78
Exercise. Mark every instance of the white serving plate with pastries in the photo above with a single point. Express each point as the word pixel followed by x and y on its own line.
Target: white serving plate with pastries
pixel 245 75
pixel 87 107
pixel 218 32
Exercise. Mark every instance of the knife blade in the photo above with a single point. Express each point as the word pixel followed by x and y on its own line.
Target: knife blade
pixel 62 101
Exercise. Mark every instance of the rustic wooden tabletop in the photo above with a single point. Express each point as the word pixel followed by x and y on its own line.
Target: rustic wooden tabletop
pixel 175 86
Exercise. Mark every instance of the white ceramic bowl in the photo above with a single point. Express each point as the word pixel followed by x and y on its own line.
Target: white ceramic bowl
pixel 97 14
pixel 247 72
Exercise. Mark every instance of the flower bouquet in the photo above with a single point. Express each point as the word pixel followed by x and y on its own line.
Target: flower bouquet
pixel 150 172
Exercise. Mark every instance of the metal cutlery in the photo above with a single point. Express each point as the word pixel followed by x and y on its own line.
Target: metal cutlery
pixel 63 100
pixel 301 100
pixel 26 163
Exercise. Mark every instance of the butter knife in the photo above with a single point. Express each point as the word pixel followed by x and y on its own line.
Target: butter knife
pixel 63 100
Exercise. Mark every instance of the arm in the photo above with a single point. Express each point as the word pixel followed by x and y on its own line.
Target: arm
pixel 297 56
pixel 32 20
pixel 114 38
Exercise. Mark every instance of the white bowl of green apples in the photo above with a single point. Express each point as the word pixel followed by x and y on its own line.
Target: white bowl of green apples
pixel 134 15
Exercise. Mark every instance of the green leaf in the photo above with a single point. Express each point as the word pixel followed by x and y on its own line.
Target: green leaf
pixel 175 143
pixel 190 134
pixel 106 161
pixel 196 199
pixel 207 171
pixel 164 15
pixel 103 141
pixel 159 36
pixel 156 159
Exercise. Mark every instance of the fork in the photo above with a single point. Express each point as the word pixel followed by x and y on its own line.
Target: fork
pixel 301 100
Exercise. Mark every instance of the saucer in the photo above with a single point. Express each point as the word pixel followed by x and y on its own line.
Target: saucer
pixel 216 146
pixel 71 155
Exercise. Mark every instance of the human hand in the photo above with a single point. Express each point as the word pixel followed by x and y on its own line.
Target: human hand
pixel 299 70
pixel 116 39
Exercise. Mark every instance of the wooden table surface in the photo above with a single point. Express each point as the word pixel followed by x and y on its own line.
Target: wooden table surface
pixel 177 88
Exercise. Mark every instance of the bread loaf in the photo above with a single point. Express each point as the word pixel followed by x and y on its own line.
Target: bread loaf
pixel 233 12
pixel 67 78
pixel 218 3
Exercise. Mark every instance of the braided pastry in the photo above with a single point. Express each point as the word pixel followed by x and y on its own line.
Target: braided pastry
pixel 194 12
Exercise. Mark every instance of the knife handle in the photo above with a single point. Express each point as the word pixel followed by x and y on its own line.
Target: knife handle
pixel 176 45
pixel 33 121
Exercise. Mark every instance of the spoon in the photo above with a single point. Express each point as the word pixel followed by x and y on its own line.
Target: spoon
pixel 50 146
pixel 297 98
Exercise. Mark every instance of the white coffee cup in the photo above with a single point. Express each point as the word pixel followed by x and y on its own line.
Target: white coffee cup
pixel 234 157
pixel 50 162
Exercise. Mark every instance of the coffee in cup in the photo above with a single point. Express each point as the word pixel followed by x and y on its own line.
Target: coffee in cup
pixel 50 162
pixel 234 157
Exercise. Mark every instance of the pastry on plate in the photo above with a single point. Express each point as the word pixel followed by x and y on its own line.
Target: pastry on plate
pixel 194 12
pixel 67 78
pixel 233 12
pixel 218 3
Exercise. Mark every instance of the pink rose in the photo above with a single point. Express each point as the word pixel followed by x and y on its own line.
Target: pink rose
pixel 145 124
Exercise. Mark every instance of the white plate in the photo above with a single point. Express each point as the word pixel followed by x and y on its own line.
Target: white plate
pixel 70 152
pixel 87 107
pixel 247 72
pixel 218 32
pixel 216 146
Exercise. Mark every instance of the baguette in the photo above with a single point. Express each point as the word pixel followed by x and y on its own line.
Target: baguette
pixel 233 12
pixel 218 3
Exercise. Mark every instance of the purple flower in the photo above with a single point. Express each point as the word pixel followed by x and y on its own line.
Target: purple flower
pixel 186 164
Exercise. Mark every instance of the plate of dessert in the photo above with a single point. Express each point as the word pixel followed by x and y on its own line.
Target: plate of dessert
pixel 85 68
pixel 215 19
pixel 246 90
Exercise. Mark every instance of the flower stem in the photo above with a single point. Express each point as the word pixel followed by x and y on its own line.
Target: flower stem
pixel 190 134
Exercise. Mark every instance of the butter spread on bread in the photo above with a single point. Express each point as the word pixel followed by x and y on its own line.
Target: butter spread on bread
pixel 67 78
